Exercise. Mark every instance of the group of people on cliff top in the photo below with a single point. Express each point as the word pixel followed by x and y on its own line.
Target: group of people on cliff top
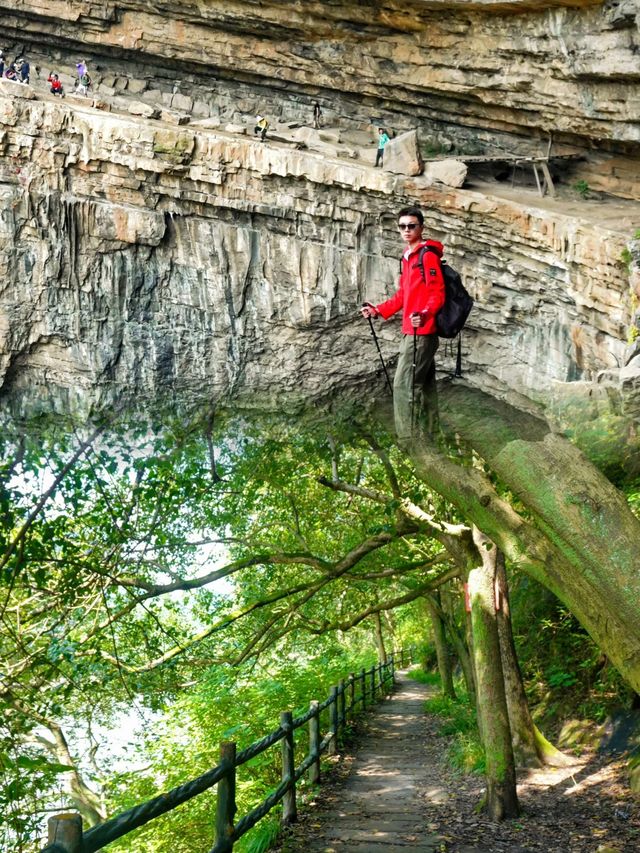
pixel 81 84
pixel 19 71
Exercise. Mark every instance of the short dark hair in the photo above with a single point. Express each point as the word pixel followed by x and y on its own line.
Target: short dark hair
pixel 412 211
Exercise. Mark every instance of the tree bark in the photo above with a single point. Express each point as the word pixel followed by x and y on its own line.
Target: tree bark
pixel 86 801
pixel 579 537
pixel 382 652
pixel 461 647
pixel 493 716
pixel 530 747
pixel 440 642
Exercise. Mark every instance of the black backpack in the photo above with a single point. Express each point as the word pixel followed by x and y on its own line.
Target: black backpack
pixel 451 318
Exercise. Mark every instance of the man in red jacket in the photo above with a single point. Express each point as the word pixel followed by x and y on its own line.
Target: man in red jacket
pixel 420 294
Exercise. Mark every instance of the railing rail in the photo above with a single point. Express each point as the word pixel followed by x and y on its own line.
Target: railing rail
pixel 65 831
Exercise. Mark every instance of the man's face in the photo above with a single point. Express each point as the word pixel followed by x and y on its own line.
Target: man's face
pixel 410 229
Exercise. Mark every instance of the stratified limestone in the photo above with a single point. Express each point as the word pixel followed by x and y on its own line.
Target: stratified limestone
pixel 138 256
pixel 474 74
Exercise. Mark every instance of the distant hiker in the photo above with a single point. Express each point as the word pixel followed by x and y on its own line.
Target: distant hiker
pixel 383 138
pixel 83 80
pixel 25 70
pixel 1 64
pixel 414 386
pixel 82 84
pixel 56 85
pixel 262 125
pixel 11 73
pixel 317 114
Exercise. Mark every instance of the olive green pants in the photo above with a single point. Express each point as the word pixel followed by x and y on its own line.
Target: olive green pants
pixel 424 396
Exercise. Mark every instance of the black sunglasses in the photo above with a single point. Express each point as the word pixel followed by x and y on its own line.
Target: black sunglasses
pixel 409 226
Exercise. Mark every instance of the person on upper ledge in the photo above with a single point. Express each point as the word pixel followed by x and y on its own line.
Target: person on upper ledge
pixel 317 114
pixel 383 138
pixel 24 70
pixel 11 72
pixel 262 126
pixel 420 295
pixel 55 84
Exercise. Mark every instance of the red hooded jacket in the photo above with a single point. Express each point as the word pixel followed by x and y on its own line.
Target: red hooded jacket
pixel 413 294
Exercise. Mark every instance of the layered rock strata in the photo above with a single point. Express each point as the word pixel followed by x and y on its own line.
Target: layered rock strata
pixel 474 76
pixel 139 257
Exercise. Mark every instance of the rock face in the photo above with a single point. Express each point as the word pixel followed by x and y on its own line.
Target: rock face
pixel 402 155
pixel 142 254
pixel 477 76
pixel 142 257
pixel 449 172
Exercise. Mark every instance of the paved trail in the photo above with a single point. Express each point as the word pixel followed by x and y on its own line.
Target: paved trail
pixel 380 808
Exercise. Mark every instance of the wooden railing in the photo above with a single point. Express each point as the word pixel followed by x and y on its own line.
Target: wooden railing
pixel 350 697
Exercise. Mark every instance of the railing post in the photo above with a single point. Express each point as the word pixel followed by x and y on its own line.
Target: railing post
pixel 402 658
pixel 352 694
pixel 314 743
pixel 363 688
pixel 65 831
pixel 372 673
pixel 226 797
pixel 289 810
pixel 333 716
pixel 383 692
pixel 393 667
pixel 343 703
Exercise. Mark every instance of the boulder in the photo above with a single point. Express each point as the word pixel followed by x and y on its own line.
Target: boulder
pixel 402 155
pixel 452 173
pixel 137 87
pixel 182 103
pixel 16 90
pixel 331 136
pixel 236 128
pixel 174 118
pixel 138 108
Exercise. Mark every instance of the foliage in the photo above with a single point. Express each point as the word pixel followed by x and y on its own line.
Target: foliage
pixel 205 569
pixel 464 752
pixel 423 676
pixel 228 705
pixel 626 256
pixel 564 671
pixel 582 188
pixel 142 552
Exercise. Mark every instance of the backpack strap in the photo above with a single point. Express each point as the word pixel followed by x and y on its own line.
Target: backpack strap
pixel 423 251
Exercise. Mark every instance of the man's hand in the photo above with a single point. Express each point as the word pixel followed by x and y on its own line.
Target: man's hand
pixel 418 319
pixel 368 310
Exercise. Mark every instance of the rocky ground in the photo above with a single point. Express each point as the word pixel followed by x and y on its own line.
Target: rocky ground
pixel 395 791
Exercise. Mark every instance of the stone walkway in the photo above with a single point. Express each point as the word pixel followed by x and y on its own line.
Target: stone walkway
pixel 380 807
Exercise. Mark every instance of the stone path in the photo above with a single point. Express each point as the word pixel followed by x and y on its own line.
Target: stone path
pixel 380 807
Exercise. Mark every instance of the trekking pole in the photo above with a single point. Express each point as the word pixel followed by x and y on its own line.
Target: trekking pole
pixel 384 366
pixel 458 372
pixel 413 376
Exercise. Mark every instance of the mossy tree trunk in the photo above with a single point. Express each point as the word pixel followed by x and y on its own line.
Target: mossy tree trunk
pixel 493 716
pixel 530 747
pixel 576 535
pixel 440 642
pixel 379 636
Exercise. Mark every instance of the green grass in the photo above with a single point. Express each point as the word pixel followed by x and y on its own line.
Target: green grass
pixel 458 722
pixel 424 677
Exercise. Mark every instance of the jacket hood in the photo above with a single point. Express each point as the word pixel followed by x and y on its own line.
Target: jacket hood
pixel 435 246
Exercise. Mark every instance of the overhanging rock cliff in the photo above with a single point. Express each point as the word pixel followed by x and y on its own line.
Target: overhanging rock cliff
pixel 139 256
